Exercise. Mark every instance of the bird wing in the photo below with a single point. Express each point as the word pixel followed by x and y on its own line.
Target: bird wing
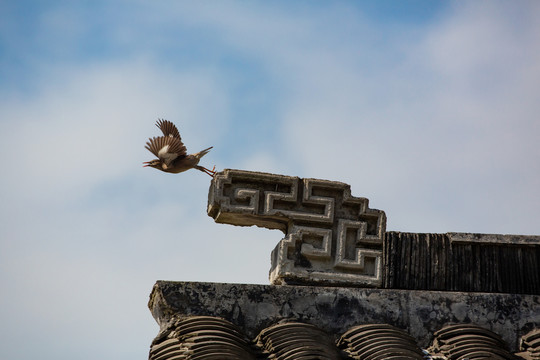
pixel 168 128
pixel 166 148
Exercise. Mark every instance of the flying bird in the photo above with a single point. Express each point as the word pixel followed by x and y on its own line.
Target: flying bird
pixel 171 151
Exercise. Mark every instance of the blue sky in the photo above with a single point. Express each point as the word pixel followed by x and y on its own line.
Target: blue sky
pixel 429 109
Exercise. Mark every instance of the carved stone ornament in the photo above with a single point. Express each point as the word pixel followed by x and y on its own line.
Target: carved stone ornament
pixel 331 237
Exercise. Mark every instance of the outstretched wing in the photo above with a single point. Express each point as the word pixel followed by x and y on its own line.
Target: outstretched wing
pixel 166 148
pixel 168 128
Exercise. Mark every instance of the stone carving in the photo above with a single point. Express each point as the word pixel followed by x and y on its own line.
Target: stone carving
pixel 331 237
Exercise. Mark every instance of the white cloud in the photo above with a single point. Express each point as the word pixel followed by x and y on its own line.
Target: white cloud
pixel 89 124
pixel 447 150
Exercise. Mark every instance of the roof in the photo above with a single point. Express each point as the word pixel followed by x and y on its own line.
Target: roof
pixel 205 337
pixel 345 288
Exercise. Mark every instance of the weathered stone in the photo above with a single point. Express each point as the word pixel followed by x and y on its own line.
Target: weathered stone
pixel 331 237
pixel 335 310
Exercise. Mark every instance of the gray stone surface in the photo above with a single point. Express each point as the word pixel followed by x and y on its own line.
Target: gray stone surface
pixel 494 239
pixel 331 237
pixel 420 313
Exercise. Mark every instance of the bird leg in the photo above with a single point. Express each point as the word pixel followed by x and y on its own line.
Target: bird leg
pixel 207 171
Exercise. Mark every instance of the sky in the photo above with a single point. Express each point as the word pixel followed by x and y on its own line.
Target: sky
pixel 429 109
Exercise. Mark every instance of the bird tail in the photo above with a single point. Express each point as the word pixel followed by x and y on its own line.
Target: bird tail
pixel 201 153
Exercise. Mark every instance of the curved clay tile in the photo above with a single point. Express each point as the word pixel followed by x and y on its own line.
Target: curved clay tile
pixel 466 341
pixel 296 341
pixel 167 349
pixel 213 338
pixel 379 341
pixel 202 337
pixel 529 345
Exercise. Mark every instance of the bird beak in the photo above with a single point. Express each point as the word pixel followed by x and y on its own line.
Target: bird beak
pixel 147 163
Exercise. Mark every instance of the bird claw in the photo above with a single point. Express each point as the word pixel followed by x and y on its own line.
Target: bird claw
pixel 212 172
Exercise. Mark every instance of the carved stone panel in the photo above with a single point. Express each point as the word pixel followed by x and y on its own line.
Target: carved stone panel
pixel 331 237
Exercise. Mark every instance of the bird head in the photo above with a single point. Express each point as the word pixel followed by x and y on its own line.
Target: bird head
pixel 156 163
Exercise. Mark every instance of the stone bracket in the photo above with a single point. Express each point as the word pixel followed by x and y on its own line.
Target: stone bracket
pixel 331 237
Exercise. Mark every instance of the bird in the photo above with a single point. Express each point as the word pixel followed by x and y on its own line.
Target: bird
pixel 172 153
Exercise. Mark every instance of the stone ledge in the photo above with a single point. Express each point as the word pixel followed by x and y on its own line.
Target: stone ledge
pixel 499 239
pixel 334 310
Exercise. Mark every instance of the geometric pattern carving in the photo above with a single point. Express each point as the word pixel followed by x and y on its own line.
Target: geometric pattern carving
pixel 331 237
